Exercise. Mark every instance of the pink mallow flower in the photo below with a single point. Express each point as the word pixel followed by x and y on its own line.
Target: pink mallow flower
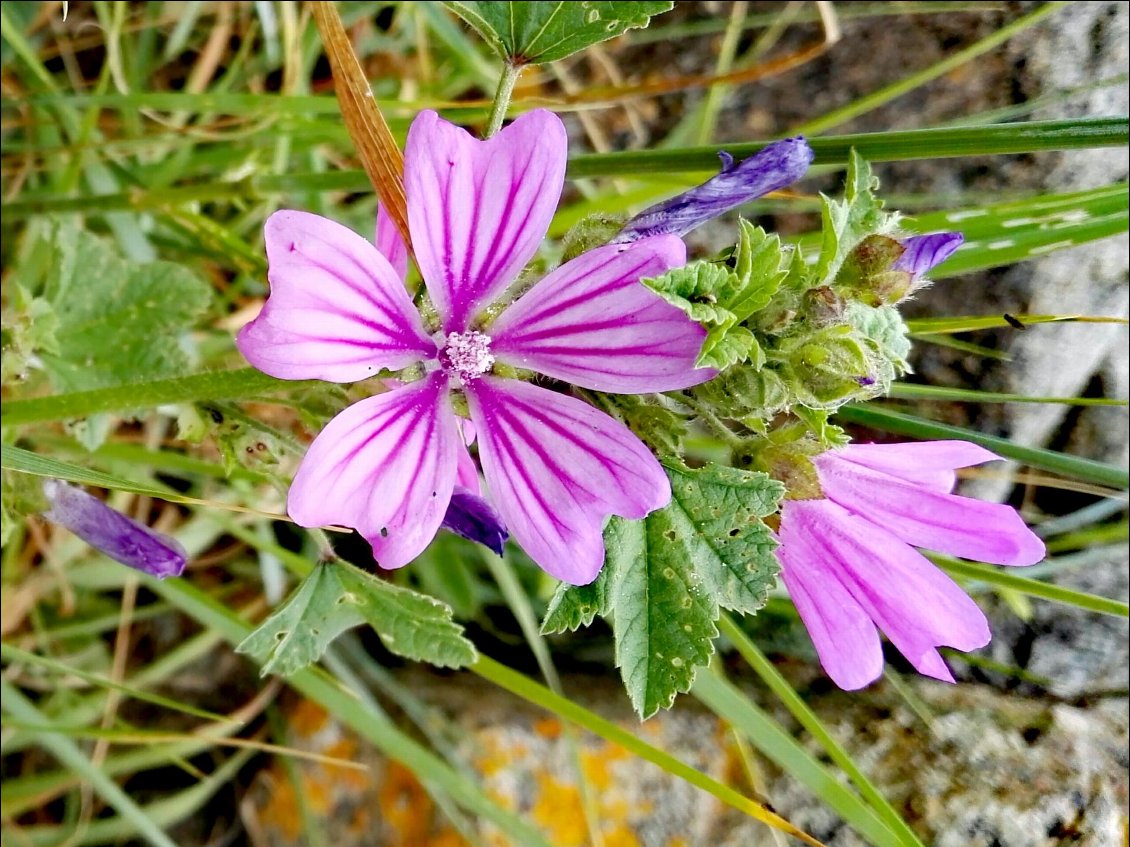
pixel 556 468
pixel 849 562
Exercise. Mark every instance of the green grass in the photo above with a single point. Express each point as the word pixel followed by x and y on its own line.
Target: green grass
pixel 172 131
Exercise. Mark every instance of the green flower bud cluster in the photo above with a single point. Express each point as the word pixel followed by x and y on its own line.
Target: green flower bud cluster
pixel 793 338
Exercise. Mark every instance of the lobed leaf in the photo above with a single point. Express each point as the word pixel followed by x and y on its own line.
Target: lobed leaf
pixel 336 597
pixel 116 321
pixel 667 576
pixel 847 222
pixel 534 33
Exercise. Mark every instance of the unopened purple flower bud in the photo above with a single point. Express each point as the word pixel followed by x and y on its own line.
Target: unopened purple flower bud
pixel 122 539
pixel 777 165
pixel 923 253
pixel 472 517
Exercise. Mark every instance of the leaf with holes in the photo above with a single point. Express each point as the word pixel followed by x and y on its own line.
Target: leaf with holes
pixel 666 576
pixel 337 597
pixel 733 553
pixel 534 33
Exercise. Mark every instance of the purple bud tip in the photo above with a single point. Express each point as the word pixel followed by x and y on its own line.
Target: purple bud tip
pixel 775 166
pixel 472 517
pixel 923 253
pixel 865 381
pixel 122 539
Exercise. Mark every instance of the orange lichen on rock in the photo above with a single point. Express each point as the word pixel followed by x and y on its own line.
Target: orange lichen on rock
pixel 307 718
pixel 406 808
pixel 559 812
pixel 548 727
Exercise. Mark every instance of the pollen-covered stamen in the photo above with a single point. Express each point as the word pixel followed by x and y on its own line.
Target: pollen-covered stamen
pixel 466 355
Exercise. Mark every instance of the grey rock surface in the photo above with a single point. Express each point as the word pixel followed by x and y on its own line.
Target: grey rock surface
pixel 981 769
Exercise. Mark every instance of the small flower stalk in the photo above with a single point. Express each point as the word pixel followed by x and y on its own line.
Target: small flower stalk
pixel 122 539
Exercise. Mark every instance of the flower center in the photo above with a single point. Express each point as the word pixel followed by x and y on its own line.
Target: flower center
pixel 466 355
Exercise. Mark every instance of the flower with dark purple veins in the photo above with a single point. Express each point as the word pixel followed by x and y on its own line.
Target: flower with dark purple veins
pixel 122 539
pixel 922 253
pixel 556 467
pixel 849 563
pixel 777 165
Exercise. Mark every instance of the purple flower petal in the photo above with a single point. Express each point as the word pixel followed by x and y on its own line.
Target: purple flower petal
pixel 386 467
pixel 472 517
pixel 122 539
pixel 556 468
pixel 777 165
pixel 912 602
pixel 842 632
pixel 592 323
pixel 929 464
pixel 946 523
pixel 337 309
pixel 391 243
pixel 923 253
pixel 478 210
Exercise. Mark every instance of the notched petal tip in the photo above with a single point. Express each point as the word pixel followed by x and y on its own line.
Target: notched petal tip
pixel 385 466
pixel 337 310
pixel 122 539
pixel 557 468
pixel 478 210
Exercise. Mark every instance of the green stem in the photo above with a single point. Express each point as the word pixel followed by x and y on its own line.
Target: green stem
pixel 502 95
pixel 808 719
pixel 710 419
pixel 238 384
pixel 539 695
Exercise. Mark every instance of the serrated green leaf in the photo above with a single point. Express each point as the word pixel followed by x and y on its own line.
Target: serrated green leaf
pixel 411 624
pixel 762 265
pixel 727 346
pixel 699 289
pixel 575 606
pixel 298 632
pixel 847 222
pixel 664 622
pixel 670 573
pixel 734 556
pixel 117 321
pixel 337 597
pixel 534 33
pixel 29 326
pixel 720 299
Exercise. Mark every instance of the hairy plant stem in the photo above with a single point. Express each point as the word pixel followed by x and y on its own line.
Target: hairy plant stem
pixel 711 420
pixel 502 95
